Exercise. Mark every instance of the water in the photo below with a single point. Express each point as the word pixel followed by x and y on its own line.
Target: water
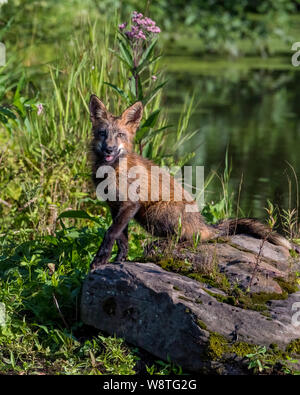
pixel 250 107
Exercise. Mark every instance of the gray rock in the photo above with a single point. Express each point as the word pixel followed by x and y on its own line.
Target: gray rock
pixel 270 251
pixel 168 314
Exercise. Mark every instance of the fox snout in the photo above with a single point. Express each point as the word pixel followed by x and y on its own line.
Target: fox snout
pixel 111 149
pixel 110 152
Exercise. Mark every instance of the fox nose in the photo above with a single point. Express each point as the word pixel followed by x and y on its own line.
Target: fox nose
pixel 111 149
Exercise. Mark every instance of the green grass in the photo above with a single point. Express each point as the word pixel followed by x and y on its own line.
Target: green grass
pixel 40 286
pixel 44 171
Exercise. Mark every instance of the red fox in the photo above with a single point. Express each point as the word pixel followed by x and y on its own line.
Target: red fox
pixel 112 143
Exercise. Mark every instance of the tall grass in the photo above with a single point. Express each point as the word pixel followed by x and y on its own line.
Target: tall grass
pixel 44 171
pixel 46 155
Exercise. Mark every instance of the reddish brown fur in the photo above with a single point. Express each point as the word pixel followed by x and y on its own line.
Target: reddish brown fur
pixel 160 218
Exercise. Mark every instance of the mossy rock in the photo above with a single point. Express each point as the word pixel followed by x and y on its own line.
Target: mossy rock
pixel 235 293
pixel 218 346
pixel 214 317
pixel 294 347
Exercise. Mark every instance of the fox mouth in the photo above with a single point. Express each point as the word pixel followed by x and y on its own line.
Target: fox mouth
pixel 108 158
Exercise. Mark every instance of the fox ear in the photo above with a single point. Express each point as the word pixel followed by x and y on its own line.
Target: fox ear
pixel 98 110
pixel 133 114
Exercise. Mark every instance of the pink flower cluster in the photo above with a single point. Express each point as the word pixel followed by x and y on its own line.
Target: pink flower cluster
pixel 40 109
pixel 141 27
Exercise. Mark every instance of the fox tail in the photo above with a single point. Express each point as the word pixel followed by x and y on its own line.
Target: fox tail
pixel 253 228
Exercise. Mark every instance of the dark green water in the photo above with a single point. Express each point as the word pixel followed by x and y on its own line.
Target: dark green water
pixel 251 107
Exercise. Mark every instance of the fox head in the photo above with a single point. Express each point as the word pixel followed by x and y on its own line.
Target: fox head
pixel 113 136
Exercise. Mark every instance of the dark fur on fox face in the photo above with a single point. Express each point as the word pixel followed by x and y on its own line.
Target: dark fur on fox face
pixel 113 136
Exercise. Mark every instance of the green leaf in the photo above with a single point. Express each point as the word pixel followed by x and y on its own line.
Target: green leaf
pixel 7 112
pixel 3 119
pixel 153 133
pixel 147 151
pixel 73 235
pixel 146 55
pixel 14 190
pixel 132 88
pixel 150 121
pixel 140 90
pixel 77 214
pixel 125 54
pixel 118 90
pixel 153 93
pixel 260 367
pixel 122 60
pixel 6 27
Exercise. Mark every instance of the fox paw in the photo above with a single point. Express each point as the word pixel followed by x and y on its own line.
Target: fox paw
pixel 97 262
pixel 120 258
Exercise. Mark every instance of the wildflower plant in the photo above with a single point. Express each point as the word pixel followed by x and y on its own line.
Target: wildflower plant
pixel 136 43
pixel 136 47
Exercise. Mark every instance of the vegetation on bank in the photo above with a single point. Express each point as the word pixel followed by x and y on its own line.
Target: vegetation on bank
pixel 44 171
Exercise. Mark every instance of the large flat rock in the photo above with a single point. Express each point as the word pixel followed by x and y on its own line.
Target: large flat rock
pixel 168 314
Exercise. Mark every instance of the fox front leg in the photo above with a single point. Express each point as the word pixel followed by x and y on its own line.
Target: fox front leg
pixel 122 244
pixel 115 231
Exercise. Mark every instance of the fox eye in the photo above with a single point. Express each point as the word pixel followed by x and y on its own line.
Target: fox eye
pixel 102 132
pixel 121 135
